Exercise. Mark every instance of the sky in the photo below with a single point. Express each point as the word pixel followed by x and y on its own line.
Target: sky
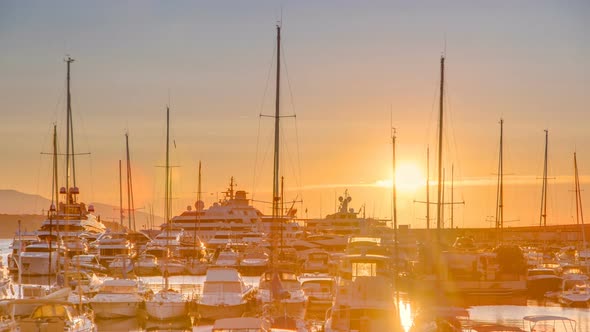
pixel 350 71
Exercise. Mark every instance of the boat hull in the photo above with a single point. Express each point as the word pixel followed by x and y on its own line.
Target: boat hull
pixel 166 310
pixel 213 312
pixel 115 309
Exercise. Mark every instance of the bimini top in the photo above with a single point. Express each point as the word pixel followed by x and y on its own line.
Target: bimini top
pixel 540 318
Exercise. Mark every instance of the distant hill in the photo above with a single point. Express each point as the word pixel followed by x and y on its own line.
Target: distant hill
pixel 31 207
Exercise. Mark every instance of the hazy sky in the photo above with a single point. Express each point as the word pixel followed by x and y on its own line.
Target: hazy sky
pixel 347 65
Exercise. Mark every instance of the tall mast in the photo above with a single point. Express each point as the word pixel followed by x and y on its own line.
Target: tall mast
pixel 500 187
pixel 130 203
pixel 55 180
pixel 198 208
pixel 167 195
pixel 428 187
pixel 579 211
pixel 68 128
pixel 275 180
pixel 543 217
pixel 394 217
pixel 120 194
pixel 54 198
pixel 452 192
pixel 440 146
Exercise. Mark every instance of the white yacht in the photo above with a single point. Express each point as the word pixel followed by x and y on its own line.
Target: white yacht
pixel 254 261
pixel 167 304
pixel 57 316
pixel 112 244
pixel 18 245
pixel 224 295
pixel 228 257
pixel 117 298
pixel 283 286
pixel 345 221
pixel 41 258
pixel 233 213
pixel 121 266
pixel 146 265
pixel 575 291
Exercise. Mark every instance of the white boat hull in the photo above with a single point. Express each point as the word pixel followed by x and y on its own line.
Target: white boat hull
pixel 115 309
pixel 166 310
pixel 213 312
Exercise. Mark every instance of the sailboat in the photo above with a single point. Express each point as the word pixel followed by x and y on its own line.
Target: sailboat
pixel 279 288
pixel 167 303
pixel 68 218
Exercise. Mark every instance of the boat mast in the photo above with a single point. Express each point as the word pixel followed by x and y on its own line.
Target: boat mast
pixel 54 198
pixel 428 187
pixel 579 211
pixel 130 203
pixel 440 147
pixel 500 187
pixel 120 195
pixel 198 208
pixel 167 196
pixel 68 127
pixel 543 217
pixel 394 217
pixel 452 192
pixel 275 178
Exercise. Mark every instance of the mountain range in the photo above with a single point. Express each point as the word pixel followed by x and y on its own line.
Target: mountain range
pixel 13 202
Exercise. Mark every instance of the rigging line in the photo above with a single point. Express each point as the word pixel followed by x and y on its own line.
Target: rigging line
pixel 256 159
pixel 269 72
pixel 38 180
pixel 433 111
pixel 292 100
pixel 289 159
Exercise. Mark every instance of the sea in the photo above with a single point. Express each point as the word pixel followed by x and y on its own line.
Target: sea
pixel 508 311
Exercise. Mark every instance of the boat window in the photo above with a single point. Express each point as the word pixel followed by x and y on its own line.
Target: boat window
pixel 44 311
pixel 222 287
pixel 364 269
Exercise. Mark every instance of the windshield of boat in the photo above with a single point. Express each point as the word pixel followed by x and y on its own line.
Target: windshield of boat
pixel 52 310
pixel 221 287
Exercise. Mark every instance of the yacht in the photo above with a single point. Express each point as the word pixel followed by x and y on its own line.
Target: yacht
pixel 575 291
pixel 232 213
pixel 224 295
pixel 117 298
pixel 57 316
pixel 88 263
pixel 283 286
pixel 18 245
pixel 146 265
pixel 319 292
pixel 167 304
pixel 41 258
pixel 345 221
pixel 121 266
pixel 112 244
pixel 542 280
pixel 228 257
pixel 254 261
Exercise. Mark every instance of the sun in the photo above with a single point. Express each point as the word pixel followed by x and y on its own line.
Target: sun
pixel 409 177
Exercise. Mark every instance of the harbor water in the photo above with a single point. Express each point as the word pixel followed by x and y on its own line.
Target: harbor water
pixel 503 310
